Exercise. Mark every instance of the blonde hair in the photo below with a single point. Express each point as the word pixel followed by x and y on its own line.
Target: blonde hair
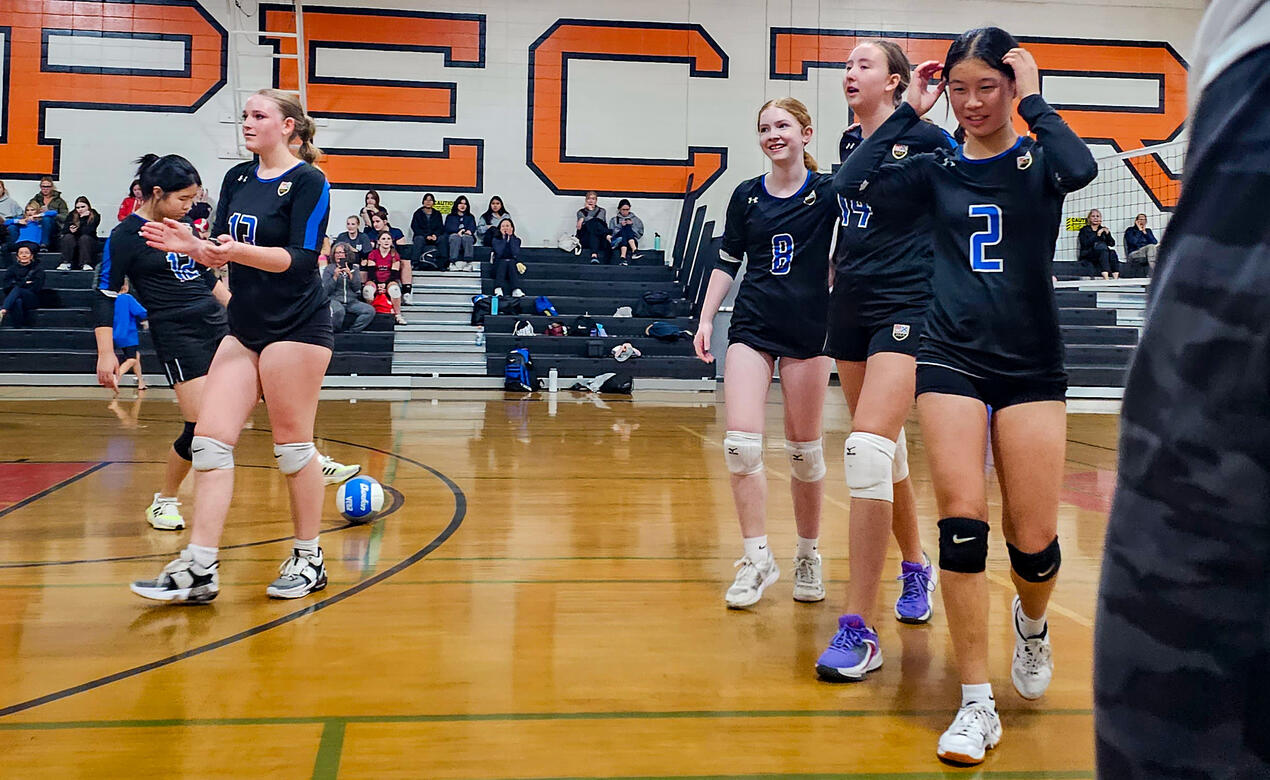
pixel 304 127
pixel 797 110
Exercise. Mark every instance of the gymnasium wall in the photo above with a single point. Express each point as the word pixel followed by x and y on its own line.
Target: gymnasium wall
pixel 534 101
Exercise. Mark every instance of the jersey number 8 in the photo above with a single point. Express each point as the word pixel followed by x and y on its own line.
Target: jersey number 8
pixel 243 228
pixel 782 253
pixel 980 241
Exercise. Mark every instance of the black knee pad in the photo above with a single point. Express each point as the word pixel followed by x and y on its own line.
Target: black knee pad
pixel 1039 566
pixel 963 545
pixel 182 443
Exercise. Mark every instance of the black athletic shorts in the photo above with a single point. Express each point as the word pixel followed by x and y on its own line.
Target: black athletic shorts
pixel 315 330
pixel 855 336
pixel 129 352
pixel 185 345
pixel 995 392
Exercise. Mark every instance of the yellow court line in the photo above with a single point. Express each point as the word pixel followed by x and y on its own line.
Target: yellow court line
pixel 1066 612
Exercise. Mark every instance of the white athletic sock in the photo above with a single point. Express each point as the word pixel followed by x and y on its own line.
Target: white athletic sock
pixel 1029 627
pixel 309 546
pixel 203 556
pixel 161 497
pixel 806 548
pixel 756 548
pixel 981 693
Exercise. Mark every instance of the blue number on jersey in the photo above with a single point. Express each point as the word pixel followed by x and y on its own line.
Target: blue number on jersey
pixel 243 228
pixel 782 253
pixel 856 208
pixel 980 241
pixel 183 268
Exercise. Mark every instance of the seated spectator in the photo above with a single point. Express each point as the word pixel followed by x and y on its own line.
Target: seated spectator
pixel 22 283
pixel 343 285
pixel 132 202
pixel 1139 242
pixel 379 224
pixel 460 231
pixel 30 228
pixel 626 229
pixel 428 226
pixel 9 209
pixel 128 315
pixel 1096 244
pixel 384 270
pixel 487 227
pixel 507 259
pixel 593 231
pixel 46 200
pixel 78 243
pixel 353 235
pixel 203 207
pixel 372 207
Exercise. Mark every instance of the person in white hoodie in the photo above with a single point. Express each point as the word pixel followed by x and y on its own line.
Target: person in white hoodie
pixel 9 209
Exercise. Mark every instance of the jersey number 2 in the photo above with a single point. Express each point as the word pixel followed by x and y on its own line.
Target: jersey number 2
pixel 243 228
pixel 782 253
pixel 980 241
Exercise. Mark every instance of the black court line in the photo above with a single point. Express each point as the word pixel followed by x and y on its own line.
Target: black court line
pixel 460 511
pixel 54 488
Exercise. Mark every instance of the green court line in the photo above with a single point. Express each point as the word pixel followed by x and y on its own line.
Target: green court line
pixel 512 716
pixel 327 764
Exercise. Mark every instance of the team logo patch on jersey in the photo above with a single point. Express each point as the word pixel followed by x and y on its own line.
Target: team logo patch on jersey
pixel 1024 161
pixel 899 151
pixel 284 188
pixel 752 200
pixel 900 332
pixel 810 200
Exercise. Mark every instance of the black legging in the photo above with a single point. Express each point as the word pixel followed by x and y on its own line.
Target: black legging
pixel 594 242
pixel 78 249
pixel 507 274
pixel 1104 259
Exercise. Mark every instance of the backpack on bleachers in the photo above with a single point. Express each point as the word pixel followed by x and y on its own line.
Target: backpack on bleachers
pixel 518 372
pixel 523 328
pixel 658 304
pixel 582 326
pixel 542 305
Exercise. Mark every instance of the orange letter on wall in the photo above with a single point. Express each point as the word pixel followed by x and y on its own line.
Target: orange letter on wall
pixel 641 41
pixel 461 37
pixel 794 51
pixel 35 84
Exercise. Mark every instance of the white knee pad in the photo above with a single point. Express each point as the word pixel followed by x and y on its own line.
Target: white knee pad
pixel 806 460
pixel 899 466
pixel 743 452
pixel 368 292
pixel 208 454
pixel 394 292
pixel 869 459
pixel 293 457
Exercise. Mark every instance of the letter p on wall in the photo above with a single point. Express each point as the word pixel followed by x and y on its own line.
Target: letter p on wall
pixel 38 32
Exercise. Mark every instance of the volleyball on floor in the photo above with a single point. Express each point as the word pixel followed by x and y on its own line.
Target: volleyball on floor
pixel 360 499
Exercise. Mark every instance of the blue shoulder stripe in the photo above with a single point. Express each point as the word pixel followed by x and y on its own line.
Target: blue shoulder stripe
pixel 103 270
pixel 311 238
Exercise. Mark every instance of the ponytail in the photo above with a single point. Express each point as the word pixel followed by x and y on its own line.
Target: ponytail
pixel 810 162
pixel 800 113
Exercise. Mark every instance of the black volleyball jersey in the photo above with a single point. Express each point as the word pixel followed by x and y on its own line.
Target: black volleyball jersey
pixel 995 223
pixel 883 252
pixel 288 211
pixel 170 286
pixel 786 243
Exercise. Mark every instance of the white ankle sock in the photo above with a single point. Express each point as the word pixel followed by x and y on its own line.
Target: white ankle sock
pixel 756 548
pixel 1029 627
pixel 309 546
pixel 981 693
pixel 806 548
pixel 203 556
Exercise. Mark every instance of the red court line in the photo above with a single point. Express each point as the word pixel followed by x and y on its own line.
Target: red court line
pixel 21 481
pixel 1092 490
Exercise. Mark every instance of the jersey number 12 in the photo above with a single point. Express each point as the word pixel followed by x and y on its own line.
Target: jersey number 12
pixel 782 253
pixel 981 240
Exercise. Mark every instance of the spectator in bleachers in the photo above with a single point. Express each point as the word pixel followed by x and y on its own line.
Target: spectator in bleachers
pixel 427 226
pixel 1140 243
pixel 593 230
pixel 460 231
pixel 203 207
pixel 22 283
pixel 626 229
pixel 372 207
pixel 361 242
pixel 343 284
pixel 1096 244
pixel 385 269
pixel 507 259
pixel 132 202
pixel 29 228
pixel 487 227
pixel 9 209
pixel 78 242
pixel 49 199
pixel 379 224
pixel 129 313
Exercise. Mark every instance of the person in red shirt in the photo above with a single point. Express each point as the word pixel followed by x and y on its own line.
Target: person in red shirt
pixel 383 270
pixel 132 202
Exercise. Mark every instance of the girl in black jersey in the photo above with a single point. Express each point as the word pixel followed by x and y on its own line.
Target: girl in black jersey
pixel 881 286
pixel 991 340
pixel 270 221
pixel 782 223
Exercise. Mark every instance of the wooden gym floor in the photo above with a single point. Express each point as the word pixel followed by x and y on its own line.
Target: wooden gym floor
pixel 544 600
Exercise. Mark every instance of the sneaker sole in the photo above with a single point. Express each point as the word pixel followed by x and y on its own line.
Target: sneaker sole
pixel 761 588
pixel 1020 692
pixel 274 593
pixel 160 525
pixel 809 599
pixel 180 596
pixel 914 621
pixel 835 675
pixel 961 759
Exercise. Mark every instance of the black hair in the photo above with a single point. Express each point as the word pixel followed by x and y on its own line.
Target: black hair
pixel 170 173
pixel 135 183
pixel 489 211
pixel 466 202
pixel 989 44
pixel 623 202
pixel 506 219
pixel 427 195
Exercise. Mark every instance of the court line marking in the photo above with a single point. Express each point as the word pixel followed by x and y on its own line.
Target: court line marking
pixel 1053 606
pixel 326 766
pixel 456 520
pixel 54 488
pixel 1002 774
